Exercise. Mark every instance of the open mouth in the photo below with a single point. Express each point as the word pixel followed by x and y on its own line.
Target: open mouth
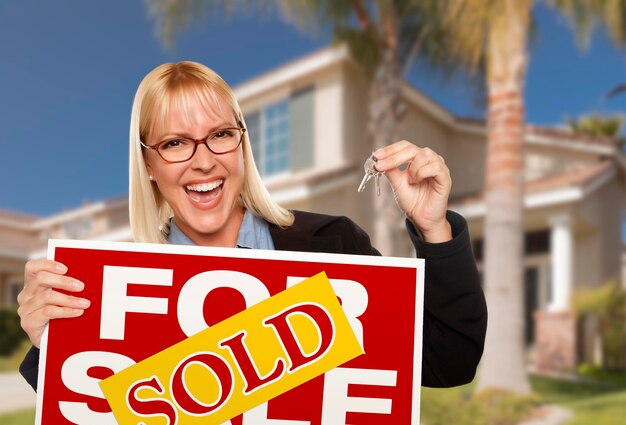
pixel 204 192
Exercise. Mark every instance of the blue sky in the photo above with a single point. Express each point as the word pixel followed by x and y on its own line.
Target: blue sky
pixel 69 70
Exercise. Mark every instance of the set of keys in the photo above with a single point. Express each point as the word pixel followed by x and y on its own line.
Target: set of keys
pixel 370 171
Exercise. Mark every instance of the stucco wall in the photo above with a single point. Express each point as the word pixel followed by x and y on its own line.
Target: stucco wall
pixel 117 218
pixel 355 115
pixel 587 254
pixel 466 160
pixel 17 239
pixel 424 131
pixel 599 245
pixel 544 161
pixel 340 201
pixel 612 202
pixel 328 125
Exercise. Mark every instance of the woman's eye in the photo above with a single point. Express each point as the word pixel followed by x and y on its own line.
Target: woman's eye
pixel 222 134
pixel 173 144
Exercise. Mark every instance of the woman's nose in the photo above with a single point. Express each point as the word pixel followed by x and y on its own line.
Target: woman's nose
pixel 203 159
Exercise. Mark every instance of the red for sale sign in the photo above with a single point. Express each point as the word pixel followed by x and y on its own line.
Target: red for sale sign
pixel 146 298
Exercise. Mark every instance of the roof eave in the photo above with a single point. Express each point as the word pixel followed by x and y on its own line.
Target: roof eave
pixel 285 74
pixel 542 199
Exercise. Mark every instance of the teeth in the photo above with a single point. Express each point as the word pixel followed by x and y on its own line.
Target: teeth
pixel 205 187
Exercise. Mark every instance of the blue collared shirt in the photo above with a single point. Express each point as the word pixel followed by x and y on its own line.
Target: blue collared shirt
pixel 254 233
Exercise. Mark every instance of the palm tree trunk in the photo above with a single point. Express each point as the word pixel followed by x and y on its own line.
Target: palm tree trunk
pixel 504 361
pixel 385 104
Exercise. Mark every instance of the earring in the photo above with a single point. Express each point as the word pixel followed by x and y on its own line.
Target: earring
pixel 151 178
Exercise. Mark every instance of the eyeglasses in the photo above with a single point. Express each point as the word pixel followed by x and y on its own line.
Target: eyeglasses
pixel 181 149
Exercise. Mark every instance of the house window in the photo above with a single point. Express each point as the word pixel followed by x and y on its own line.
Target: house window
pixel 269 136
pixel 276 129
pixel 16 288
pixel 281 134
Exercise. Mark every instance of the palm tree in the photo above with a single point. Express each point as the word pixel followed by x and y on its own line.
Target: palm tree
pixel 384 37
pixel 599 125
pixel 586 15
pixel 499 29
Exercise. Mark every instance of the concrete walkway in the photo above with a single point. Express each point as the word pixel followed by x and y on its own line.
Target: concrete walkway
pixel 15 393
pixel 550 415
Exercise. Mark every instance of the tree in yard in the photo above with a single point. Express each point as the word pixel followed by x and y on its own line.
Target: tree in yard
pixel 499 30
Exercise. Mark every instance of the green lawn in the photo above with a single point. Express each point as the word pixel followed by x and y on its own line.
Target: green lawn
pixel 24 417
pixel 592 403
pixel 607 409
pixel 7 365
pixel 596 404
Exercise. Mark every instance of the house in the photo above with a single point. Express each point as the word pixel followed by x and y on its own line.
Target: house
pixel 308 123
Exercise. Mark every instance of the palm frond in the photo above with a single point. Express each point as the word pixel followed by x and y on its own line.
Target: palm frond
pixel 585 16
pixel 615 91
pixel 614 18
pixel 580 17
pixel 316 15
pixel 597 124
pixel 173 16
pixel 363 46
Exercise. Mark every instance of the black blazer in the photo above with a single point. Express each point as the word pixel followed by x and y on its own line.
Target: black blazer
pixel 455 313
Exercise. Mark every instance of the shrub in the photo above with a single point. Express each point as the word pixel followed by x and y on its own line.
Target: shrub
pixel 502 407
pixel 617 376
pixel 11 332
pixel 441 408
pixel 608 304
pixel 18 354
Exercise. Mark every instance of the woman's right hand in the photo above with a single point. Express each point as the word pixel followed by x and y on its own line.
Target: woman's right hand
pixel 39 301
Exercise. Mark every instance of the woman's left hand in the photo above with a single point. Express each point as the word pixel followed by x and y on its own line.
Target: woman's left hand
pixel 421 189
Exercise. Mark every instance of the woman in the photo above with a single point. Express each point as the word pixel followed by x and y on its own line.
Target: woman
pixel 193 181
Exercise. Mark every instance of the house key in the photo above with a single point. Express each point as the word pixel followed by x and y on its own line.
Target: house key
pixel 370 171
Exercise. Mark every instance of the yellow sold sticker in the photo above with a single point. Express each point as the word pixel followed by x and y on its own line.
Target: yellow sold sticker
pixel 239 363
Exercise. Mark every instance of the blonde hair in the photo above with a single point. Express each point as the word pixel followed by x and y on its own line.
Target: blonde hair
pixel 179 83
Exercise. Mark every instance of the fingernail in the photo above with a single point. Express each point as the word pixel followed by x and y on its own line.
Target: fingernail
pixel 78 285
pixel 83 302
pixel 380 165
pixel 378 152
pixel 77 311
pixel 61 268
